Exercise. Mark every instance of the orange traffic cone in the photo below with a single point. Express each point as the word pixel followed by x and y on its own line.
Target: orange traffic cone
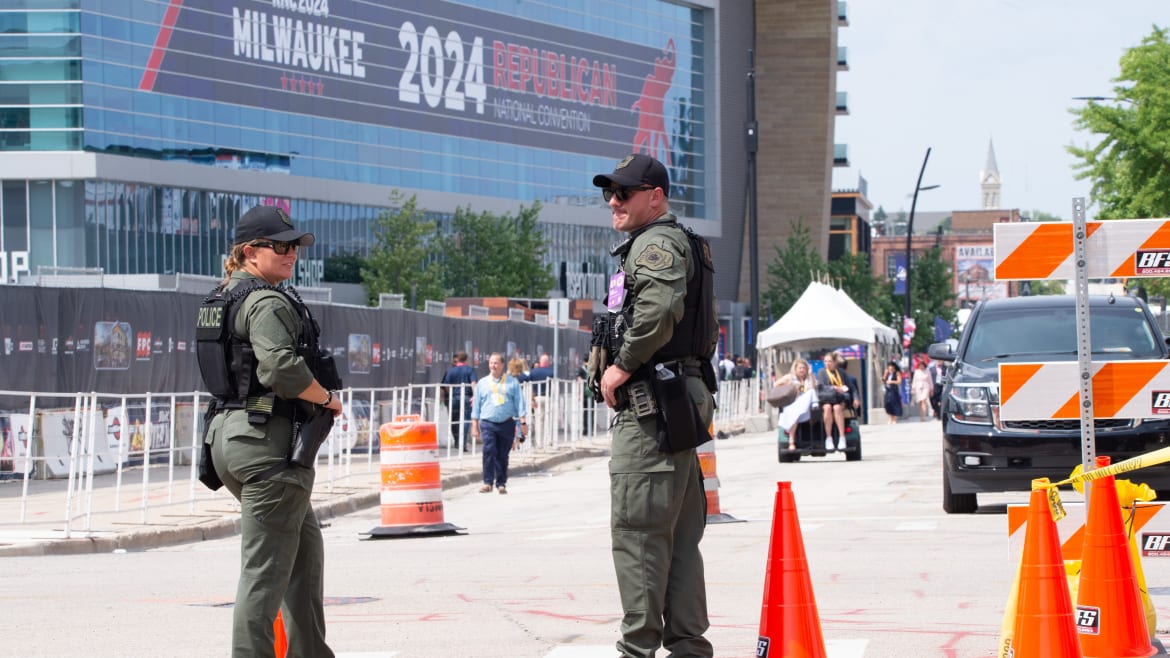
pixel 790 626
pixel 1110 616
pixel 280 646
pixel 1044 623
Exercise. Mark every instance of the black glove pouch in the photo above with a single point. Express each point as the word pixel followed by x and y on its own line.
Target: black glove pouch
pixel 207 474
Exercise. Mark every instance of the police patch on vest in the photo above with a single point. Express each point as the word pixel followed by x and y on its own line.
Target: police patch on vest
pixel 654 258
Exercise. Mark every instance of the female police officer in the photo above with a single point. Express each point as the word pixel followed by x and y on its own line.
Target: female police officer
pixel 282 553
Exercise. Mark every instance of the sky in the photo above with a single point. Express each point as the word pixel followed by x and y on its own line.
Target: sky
pixel 952 75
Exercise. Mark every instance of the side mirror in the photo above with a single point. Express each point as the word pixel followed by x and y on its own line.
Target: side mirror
pixel 941 352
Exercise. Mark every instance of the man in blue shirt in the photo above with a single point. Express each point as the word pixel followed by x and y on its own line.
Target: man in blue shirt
pixel 539 381
pixel 495 406
pixel 457 394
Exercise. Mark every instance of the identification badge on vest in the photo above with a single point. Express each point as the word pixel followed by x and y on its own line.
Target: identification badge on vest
pixel 617 292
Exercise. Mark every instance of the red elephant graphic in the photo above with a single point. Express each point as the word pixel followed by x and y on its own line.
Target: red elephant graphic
pixel 651 115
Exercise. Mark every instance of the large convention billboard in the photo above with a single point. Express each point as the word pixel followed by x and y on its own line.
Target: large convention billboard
pixel 427 65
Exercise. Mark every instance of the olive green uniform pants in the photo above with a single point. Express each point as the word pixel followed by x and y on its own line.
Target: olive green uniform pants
pixel 281 550
pixel 658 512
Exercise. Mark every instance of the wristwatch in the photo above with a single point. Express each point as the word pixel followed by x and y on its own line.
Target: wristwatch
pixel 328 399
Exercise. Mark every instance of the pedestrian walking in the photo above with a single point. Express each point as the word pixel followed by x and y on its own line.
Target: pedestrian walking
pixel 938 375
pixel 922 388
pixel 663 292
pixel 495 409
pixel 539 379
pixel 892 399
pixel 456 391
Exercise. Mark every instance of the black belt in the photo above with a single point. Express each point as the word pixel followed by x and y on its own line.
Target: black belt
pixel 280 406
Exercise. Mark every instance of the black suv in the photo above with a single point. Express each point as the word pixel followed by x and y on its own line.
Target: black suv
pixel 982 452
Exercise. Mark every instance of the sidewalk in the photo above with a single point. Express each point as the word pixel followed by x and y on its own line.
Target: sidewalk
pixel 118 520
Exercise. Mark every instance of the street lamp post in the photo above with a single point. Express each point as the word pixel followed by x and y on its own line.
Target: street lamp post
pixel 909 236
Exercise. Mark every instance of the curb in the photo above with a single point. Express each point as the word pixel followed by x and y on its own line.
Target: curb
pixel 147 538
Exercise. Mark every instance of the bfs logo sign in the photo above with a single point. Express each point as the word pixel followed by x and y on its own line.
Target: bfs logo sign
pixel 142 345
pixel 1155 544
pixel 1088 620
pixel 1151 262
pixel 1160 403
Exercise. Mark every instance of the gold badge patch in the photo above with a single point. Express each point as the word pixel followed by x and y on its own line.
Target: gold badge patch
pixel 654 258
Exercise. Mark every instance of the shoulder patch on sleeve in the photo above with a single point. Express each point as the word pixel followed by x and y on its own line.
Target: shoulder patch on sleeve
pixel 654 258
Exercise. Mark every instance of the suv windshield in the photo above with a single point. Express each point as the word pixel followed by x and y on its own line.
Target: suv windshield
pixel 1049 334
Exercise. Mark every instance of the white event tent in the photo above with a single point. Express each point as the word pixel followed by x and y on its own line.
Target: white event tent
pixel 826 318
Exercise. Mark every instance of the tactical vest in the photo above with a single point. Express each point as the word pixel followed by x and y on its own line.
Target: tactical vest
pixel 226 361
pixel 693 334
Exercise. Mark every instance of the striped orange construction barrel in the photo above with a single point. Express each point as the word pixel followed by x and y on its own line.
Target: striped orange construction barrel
pixel 706 453
pixel 412 490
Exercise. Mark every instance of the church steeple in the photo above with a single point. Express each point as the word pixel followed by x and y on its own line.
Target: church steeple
pixel 990 180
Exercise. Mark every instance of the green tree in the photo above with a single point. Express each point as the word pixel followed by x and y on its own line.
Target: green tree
pixel 402 259
pixel 853 274
pixel 896 224
pixel 790 272
pixel 1041 216
pixel 932 296
pixel 1129 167
pixel 879 221
pixel 489 255
pixel 344 268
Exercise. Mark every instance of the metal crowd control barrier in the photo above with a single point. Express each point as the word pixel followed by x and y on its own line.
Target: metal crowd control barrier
pixel 146 447
pixel 737 400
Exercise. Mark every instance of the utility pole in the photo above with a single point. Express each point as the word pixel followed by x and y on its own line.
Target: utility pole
pixel 752 142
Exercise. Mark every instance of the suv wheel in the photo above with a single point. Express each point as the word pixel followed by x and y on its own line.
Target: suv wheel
pixel 954 503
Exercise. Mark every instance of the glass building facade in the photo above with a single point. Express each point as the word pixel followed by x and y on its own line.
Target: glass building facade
pixel 148 127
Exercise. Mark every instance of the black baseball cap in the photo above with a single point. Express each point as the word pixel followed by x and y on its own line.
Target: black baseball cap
pixel 636 170
pixel 270 223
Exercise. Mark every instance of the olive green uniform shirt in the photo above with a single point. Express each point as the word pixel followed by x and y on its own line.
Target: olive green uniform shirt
pixel 268 320
pixel 657 266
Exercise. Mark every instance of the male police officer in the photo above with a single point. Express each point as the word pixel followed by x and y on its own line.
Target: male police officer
pixel 270 385
pixel 663 296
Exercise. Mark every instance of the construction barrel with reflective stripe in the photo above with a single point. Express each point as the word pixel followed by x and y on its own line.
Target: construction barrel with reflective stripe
pixel 706 453
pixel 412 487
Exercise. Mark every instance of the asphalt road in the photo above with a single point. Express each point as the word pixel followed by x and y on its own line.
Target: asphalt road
pixel 532 577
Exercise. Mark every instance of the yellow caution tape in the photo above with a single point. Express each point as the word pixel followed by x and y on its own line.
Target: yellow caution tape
pixel 1127 492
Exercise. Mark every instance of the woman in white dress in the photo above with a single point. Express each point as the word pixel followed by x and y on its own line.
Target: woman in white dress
pixel 922 388
pixel 797 412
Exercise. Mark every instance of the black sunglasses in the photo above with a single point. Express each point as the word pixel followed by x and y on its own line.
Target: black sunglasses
pixel 623 194
pixel 280 248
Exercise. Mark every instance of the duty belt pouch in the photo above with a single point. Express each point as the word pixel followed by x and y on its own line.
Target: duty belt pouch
pixel 207 474
pixel 679 425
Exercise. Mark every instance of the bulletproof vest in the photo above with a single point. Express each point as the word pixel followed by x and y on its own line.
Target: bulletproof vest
pixel 693 334
pixel 226 361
